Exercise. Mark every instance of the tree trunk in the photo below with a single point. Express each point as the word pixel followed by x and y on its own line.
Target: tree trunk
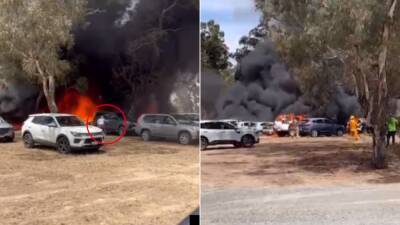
pixel 49 92
pixel 49 88
pixel 380 96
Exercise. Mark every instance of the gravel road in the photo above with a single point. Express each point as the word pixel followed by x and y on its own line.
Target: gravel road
pixel 367 205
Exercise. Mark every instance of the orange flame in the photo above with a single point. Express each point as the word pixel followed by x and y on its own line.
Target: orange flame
pixel 80 105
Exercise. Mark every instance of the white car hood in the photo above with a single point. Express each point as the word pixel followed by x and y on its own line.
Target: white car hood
pixel 82 129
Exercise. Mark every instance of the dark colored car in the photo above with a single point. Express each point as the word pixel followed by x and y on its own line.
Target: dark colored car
pixel 320 126
pixel 113 123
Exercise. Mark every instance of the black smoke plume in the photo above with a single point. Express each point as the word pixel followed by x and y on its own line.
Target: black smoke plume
pixel 101 47
pixel 264 89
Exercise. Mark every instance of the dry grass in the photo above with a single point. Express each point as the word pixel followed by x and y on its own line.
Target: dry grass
pixel 131 182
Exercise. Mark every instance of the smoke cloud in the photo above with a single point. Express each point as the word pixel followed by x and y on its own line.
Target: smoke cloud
pixel 17 99
pixel 264 89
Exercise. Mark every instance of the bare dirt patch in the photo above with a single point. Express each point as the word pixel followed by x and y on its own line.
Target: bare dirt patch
pixel 297 162
pixel 132 182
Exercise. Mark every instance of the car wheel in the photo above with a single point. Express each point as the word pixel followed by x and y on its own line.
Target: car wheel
pixel 314 133
pixel 9 139
pixel 146 136
pixel 184 138
pixel 203 143
pixel 63 145
pixel 247 141
pixel 340 133
pixel 28 140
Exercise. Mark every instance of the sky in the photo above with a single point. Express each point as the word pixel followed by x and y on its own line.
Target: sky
pixel 236 18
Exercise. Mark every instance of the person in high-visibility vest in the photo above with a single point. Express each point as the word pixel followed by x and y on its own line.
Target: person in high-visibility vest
pixel 392 125
pixel 353 127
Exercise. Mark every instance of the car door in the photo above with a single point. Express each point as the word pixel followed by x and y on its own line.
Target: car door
pixel 169 127
pixel 212 131
pixel 48 129
pixel 112 122
pixel 35 128
pixel 329 127
pixel 319 125
pixel 207 131
pixel 156 125
pixel 230 133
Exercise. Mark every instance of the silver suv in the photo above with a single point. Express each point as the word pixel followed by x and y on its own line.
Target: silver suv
pixel 181 127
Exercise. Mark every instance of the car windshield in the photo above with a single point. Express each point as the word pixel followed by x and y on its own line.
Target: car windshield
pixel 187 118
pixel 69 121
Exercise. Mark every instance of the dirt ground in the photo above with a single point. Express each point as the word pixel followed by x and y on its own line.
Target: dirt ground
pixel 132 182
pixel 275 162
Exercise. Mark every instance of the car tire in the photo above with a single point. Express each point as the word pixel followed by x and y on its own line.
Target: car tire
pixel 203 143
pixel 146 135
pixel 10 139
pixel 28 140
pixel 63 145
pixel 340 133
pixel 247 141
pixel 314 133
pixel 184 138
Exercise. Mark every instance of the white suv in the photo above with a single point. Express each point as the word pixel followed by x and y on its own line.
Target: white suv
pixel 64 131
pixel 219 132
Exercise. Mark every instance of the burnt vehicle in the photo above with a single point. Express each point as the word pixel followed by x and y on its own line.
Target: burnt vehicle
pixel 320 126
pixel 113 123
pixel 6 131
pixel 181 127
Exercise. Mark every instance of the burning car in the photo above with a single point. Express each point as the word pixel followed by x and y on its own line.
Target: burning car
pixel 283 123
pixel 65 132
pixel 6 131
pixel 180 127
pixel 113 123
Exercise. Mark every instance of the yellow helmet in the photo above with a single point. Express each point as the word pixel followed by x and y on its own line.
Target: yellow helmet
pixel 352 117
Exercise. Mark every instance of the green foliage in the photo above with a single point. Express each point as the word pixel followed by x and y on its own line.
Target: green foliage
pixel 35 34
pixel 214 52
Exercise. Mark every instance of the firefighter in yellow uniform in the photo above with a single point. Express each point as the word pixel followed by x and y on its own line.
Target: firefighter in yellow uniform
pixel 353 127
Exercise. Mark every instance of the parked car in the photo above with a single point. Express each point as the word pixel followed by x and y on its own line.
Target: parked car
pixel 256 126
pixel 6 131
pixel 113 123
pixel 320 126
pixel 268 128
pixel 219 132
pixel 65 132
pixel 179 127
